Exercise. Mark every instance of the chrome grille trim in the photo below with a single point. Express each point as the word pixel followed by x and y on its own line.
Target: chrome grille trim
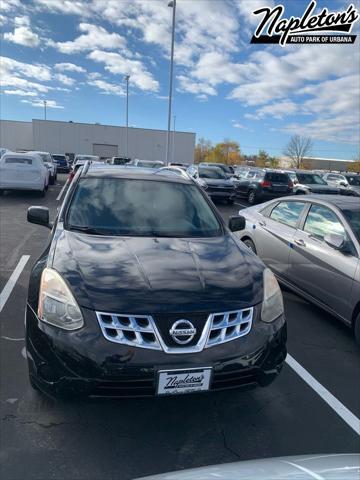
pixel 141 331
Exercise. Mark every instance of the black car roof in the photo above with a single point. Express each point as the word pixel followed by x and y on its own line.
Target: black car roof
pixel 134 173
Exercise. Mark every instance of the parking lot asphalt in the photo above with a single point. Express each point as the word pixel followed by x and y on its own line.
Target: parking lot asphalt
pixel 109 439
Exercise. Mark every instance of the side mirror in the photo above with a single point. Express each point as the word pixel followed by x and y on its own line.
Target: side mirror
pixel 39 216
pixel 335 240
pixel 237 223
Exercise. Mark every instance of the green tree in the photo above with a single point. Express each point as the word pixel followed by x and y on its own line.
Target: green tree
pixel 262 158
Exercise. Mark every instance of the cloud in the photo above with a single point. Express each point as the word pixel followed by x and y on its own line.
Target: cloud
pixel 93 37
pixel 197 88
pixel 12 73
pixel 70 67
pixel 107 88
pixel 276 110
pixel 69 7
pixel 236 124
pixel 21 93
pixel 64 79
pixel 40 103
pixel 23 35
pixel 9 5
pixel 118 64
pixel 246 8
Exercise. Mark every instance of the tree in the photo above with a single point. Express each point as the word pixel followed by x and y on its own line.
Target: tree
pixel 354 166
pixel 273 162
pixel 227 152
pixel 297 149
pixel 202 150
pixel 262 159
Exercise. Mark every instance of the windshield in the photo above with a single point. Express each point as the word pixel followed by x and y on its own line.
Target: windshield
pixel 214 173
pixel 59 158
pixel 353 217
pixel 310 179
pixel 355 181
pixel 141 208
pixel 46 157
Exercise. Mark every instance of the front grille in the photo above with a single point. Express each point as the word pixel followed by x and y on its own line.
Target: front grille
pixel 132 330
pixel 228 326
pixel 145 332
pixel 234 378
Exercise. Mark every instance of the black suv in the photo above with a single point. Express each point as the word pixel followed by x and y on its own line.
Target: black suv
pixel 261 185
pixel 306 182
pixel 142 290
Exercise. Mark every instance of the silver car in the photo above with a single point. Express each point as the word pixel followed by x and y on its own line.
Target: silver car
pixel 312 244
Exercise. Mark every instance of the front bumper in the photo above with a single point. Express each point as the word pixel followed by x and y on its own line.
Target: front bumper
pixel 84 362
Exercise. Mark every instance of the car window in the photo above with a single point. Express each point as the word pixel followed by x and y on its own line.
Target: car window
pixel 353 217
pixel 277 177
pixel 353 180
pixel 214 173
pixel 19 160
pixel 310 179
pixel 118 206
pixel 322 221
pixel 335 177
pixel 287 213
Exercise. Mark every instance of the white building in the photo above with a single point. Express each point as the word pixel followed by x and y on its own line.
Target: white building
pixel 95 139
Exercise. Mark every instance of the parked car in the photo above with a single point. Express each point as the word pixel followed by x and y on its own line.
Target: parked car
pixel 312 244
pixel 306 182
pixel 49 164
pixel 23 171
pixel 146 163
pixel 335 179
pixel 213 179
pixel 119 160
pixel 261 185
pixel 80 161
pixel 227 169
pixel 192 329
pixel 61 162
pixel 3 151
pixel 345 466
pixel 354 182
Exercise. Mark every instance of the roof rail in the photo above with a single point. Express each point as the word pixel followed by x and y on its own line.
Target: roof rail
pixel 174 170
pixel 86 167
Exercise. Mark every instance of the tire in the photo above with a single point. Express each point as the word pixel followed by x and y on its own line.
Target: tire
pixel 299 192
pixel 251 197
pixel 250 244
pixel 42 192
pixel 51 180
pixel 357 329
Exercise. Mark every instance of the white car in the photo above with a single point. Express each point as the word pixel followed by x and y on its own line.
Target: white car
pixel 336 179
pixel 146 163
pixel 49 164
pixel 23 171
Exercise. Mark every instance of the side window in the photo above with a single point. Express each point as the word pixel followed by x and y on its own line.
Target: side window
pixel 287 213
pixel 322 221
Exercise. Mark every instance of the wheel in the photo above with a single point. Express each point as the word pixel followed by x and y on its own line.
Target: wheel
pixel 52 180
pixel 251 198
pixel 230 201
pixel 357 329
pixel 42 192
pixel 250 244
pixel 299 192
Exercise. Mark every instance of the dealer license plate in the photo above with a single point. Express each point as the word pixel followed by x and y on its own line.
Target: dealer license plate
pixel 175 382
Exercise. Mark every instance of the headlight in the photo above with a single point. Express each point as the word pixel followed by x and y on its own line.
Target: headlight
pixel 272 306
pixel 57 305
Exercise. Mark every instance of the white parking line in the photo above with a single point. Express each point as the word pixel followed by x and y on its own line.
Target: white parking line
pixel 241 204
pixel 6 292
pixel 328 397
pixel 62 190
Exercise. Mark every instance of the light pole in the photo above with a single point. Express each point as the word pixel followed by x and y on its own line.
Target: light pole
pixel 45 102
pixel 173 5
pixel 127 78
pixel 173 142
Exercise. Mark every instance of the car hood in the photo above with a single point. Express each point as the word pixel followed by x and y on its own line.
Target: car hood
pixel 215 182
pixel 142 275
pixel 329 189
pixel 304 467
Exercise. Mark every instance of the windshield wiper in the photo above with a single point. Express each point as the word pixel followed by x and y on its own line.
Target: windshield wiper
pixel 90 230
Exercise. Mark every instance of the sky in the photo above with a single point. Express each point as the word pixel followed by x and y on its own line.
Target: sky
pixel 75 53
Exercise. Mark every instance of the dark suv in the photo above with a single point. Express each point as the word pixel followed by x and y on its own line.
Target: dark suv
pixel 142 290
pixel 261 185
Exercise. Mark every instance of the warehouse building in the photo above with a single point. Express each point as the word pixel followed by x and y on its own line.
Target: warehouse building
pixel 95 139
pixel 318 163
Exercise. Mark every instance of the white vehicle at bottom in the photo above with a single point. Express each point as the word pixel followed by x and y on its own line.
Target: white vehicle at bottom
pixel 23 171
